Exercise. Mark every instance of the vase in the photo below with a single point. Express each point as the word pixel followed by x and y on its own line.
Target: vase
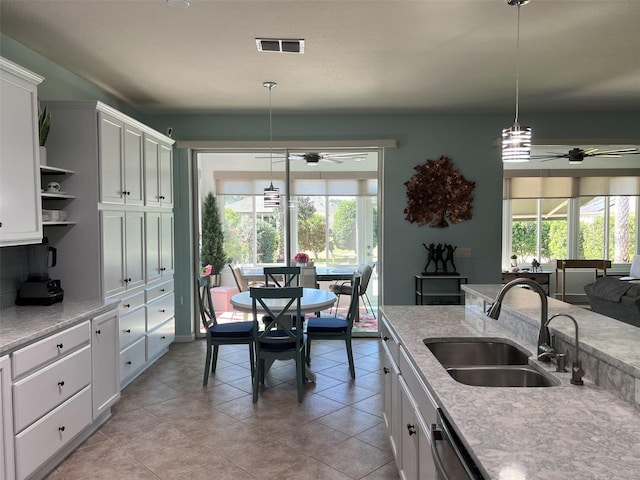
pixel 43 155
pixel 215 280
pixel 301 264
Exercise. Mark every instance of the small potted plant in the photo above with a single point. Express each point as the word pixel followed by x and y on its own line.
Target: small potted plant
pixel 514 263
pixel 301 259
pixel 44 123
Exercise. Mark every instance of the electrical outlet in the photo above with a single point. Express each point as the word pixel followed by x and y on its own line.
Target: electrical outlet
pixel 463 252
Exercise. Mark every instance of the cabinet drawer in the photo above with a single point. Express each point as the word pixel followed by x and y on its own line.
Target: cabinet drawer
pixel 160 338
pixel 44 390
pixel 132 359
pixel 51 348
pixel 158 290
pixel 132 327
pixel 391 341
pixel 425 401
pixel 129 304
pixel 159 311
pixel 43 439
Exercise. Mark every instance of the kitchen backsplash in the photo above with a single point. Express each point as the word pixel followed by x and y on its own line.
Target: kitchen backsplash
pixel 13 271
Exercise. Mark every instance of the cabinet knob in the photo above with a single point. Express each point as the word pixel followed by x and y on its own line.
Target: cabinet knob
pixel 162 270
pixel 128 330
pixel 128 305
pixel 161 197
pixel 60 346
pixel 411 429
pixel 386 370
pixel 163 338
pixel 385 338
pixel 128 363
pixel 61 428
pixel 98 332
pixel 61 383
pixel 162 310
pixel 162 289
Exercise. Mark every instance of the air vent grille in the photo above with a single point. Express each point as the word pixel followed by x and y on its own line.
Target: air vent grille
pixel 280 45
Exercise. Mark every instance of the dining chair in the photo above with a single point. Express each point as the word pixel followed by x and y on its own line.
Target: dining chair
pixel 334 328
pixel 346 288
pixel 282 337
pixel 232 333
pixel 282 276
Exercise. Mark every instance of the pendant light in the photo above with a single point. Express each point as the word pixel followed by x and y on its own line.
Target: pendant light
pixel 271 193
pixel 516 140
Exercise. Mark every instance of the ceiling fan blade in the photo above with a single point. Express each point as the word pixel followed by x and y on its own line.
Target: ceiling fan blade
pixel 590 151
pixel 330 160
pixel 620 151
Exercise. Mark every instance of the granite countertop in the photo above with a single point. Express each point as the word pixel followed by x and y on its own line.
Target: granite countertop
pixel 20 326
pixel 566 431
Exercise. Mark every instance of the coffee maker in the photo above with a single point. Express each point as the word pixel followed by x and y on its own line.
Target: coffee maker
pixel 39 289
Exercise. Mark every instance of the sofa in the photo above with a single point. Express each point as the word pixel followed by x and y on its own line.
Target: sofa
pixel 615 298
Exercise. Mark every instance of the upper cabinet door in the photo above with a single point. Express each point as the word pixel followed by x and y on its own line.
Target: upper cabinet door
pixel 20 207
pixel 151 174
pixel 133 166
pixel 166 175
pixel 111 159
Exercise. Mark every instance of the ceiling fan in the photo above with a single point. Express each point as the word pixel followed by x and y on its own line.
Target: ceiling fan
pixel 313 158
pixel 577 155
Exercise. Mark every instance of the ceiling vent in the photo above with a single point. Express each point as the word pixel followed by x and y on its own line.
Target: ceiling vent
pixel 280 45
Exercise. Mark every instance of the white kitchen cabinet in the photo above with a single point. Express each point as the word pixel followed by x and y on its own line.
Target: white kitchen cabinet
pixel 123 251
pixel 158 173
pixel 20 207
pixel 105 362
pixel 392 404
pixel 6 421
pixel 121 161
pixel 159 245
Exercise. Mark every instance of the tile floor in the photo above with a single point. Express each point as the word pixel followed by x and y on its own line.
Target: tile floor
pixel 167 426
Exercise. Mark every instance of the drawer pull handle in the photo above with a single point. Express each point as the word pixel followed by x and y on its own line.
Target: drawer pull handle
pixel 128 305
pixel 163 338
pixel 162 310
pixel 61 428
pixel 60 346
pixel 128 330
pixel 162 289
pixel 385 338
pixel 386 370
pixel 61 383
pixel 128 363
pixel 411 429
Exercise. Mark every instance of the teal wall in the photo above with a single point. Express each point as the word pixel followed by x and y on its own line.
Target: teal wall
pixel 466 138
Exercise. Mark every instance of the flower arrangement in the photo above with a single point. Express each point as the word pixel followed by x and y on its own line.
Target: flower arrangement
pixel 206 270
pixel 301 257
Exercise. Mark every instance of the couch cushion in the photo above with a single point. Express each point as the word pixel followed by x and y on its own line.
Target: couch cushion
pixel 609 288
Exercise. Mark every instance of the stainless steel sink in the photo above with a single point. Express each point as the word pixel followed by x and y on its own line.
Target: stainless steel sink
pixel 487 362
pixel 520 376
pixel 476 351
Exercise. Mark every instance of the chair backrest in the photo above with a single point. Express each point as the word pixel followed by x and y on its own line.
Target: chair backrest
pixel 354 304
pixel 282 276
pixel 308 277
pixel 280 306
pixel 207 312
pixel 237 276
pixel 366 276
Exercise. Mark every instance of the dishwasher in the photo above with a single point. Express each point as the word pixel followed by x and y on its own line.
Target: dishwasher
pixel 450 457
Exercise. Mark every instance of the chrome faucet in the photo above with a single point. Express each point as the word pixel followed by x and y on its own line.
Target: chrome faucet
pixel 547 351
pixel 543 335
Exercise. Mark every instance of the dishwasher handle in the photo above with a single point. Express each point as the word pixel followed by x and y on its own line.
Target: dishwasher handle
pixel 436 436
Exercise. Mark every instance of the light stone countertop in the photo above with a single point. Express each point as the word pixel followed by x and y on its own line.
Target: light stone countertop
pixel 565 432
pixel 22 325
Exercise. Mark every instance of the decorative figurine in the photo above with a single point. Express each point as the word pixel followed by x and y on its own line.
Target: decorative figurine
pixel 441 256
pixel 535 265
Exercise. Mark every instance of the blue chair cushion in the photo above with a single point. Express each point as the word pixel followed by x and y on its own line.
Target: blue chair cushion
pixel 232 330
pixel 327 325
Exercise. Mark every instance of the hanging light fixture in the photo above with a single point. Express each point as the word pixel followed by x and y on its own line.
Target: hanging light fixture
pixel 516 140
pixel 271 193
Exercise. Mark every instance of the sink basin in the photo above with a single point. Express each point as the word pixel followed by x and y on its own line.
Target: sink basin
pixel 516 376
pixel 477 352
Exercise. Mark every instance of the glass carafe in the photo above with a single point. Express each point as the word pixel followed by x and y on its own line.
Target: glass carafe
pixel 40 258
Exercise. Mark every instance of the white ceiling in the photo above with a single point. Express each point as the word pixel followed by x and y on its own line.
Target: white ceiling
pixel 361 55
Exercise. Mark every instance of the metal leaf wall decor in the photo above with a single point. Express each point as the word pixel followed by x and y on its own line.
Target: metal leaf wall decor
pixel 436 191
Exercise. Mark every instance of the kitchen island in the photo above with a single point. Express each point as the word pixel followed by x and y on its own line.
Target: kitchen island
pixel 527 433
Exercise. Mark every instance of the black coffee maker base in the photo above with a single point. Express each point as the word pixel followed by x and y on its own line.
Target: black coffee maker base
pixel 39 301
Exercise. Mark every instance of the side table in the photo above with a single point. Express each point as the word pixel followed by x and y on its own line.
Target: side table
pixel 542 277
pixel 439 289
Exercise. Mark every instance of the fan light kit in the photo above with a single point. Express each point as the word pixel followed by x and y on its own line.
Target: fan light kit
pixel 271 193
pixel 516 140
